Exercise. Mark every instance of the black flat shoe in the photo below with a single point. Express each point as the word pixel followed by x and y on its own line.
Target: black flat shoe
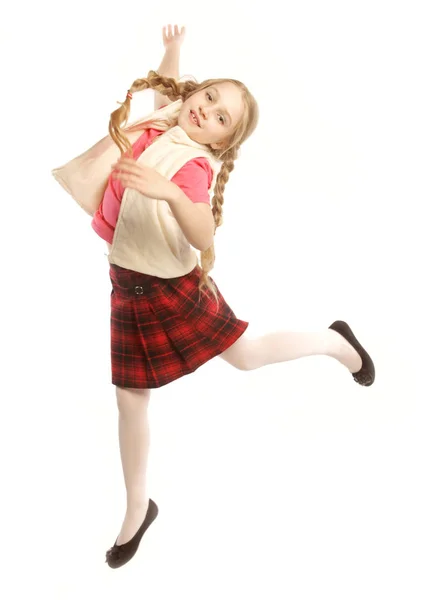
pixel 117 556
pixel 366 375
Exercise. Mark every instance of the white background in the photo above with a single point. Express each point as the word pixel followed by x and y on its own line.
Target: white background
pixel 291 481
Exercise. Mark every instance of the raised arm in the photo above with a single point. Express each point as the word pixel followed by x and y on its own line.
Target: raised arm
pixel 172 40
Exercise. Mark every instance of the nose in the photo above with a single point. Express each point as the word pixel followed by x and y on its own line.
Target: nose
pixel 202 113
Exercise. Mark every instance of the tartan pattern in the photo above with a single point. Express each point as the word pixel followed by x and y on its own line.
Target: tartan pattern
pixel 159 329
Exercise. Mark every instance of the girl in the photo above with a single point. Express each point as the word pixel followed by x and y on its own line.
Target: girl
pixel 154 209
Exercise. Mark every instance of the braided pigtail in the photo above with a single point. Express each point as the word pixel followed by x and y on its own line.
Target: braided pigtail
pixel 207 258
pixel 167 86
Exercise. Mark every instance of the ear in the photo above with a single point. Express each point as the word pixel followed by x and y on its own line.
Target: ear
pixel 218 146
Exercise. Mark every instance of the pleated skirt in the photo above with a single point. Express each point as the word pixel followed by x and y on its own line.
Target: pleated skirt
pixel 159 329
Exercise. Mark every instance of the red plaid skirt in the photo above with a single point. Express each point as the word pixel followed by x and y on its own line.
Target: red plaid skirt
pixel 159 329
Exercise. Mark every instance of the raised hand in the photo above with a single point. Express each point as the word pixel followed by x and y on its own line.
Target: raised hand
pixel 173 37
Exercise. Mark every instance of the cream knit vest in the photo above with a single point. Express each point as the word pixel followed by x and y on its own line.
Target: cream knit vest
pixel 147 237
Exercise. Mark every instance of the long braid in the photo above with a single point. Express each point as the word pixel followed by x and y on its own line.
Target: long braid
pixel 167 86
pixel 207 258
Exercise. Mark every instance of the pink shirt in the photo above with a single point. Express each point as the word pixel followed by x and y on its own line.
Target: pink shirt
pixel 194 179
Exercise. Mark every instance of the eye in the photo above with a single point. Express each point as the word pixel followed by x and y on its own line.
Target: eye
pixel 221 119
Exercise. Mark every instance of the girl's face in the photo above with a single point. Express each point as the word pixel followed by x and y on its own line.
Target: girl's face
pixel 211 115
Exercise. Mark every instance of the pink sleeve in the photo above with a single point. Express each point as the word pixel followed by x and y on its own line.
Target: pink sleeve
pixel 195 179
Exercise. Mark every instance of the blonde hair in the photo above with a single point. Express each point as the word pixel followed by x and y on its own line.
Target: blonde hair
pixel 174 90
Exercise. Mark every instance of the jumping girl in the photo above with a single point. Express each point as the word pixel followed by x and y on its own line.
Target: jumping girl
pixel 159 204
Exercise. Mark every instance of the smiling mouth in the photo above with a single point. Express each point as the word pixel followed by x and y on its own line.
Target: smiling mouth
pixel 194 118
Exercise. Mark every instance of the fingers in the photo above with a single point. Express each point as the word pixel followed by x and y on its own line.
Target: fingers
pixel 167 33
pixel 127 165
pixel 128 180
pixel 124 159
pixel 170 33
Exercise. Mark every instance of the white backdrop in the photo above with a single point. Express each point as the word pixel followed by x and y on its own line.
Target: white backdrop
pixel 291 481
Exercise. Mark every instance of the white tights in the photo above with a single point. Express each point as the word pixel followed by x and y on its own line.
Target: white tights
pixel 251 353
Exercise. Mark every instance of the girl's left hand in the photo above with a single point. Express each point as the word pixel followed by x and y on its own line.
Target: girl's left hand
pixel 145 180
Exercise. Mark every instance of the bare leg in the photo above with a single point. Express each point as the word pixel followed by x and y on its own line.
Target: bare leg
pixel 281 346
pixel 134 441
